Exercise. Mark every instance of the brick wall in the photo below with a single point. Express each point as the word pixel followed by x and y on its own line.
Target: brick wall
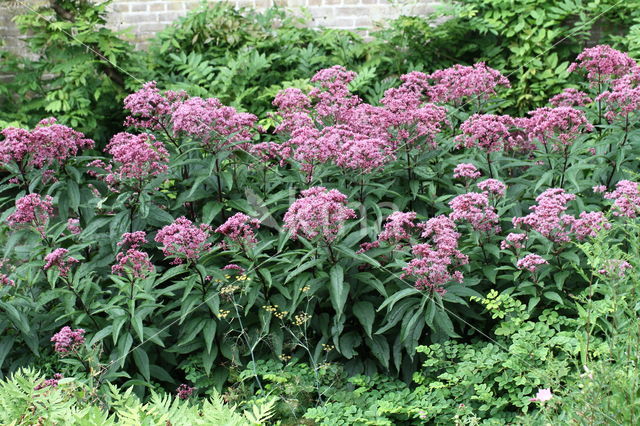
pixel 146 17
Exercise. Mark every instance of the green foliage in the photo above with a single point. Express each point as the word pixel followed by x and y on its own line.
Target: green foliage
pixel 244 57
pixel 71 403
pixel 77 69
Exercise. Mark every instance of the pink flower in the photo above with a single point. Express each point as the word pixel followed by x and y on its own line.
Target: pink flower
pixel 362 154
pixel 547 218
pixel 602 64
pixel 32 209
pixel 557 128
pixel 589 224
pixel 233 267
pixel 615 267
pixel 599 189
pixel 488 132
pixel 626 199
pixel 185 391
pixel 570 98
pixel 136 159
pixel 319 212
pixel 133 239
pixel 73 225
pixel 623 99
pixel 543 395
pixel 493 187
pixel 453 85
pixel 435 264
pixel 50 382
pixel 531 262
pixel 240 229
pixel 515 241
pixel 134 262
pixel 474 208
pixel 398 227
pixel 60 259
pixel 466 171
pixel 217 127
pixel 183 240
pixel 67 340
pixel 149 108
pixel 47 144
pixel 333 100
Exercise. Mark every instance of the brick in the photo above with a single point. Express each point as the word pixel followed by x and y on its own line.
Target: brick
pixel 332 2
pixel 157 7
pixel 349 11
pixel 139 7
pixel 314 2
pixel 351 2
pixel 263 4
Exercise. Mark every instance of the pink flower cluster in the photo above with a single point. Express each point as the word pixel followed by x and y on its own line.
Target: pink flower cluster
pixel 5 281
pixel 514 241
pixel 434 263
pixel 183 240
pixel 134 261
pixel 60 259
pixel 319 212
pixel 149 108
pixel 73 226
pixel 531 262
pixel 32 209
pixel 398 227
pixel 548 218
pixel 602 64
pixel 466 171
pixel 487 132
pixel 136 159
pixel 217 127
pixel 333 101
pixel 474 207
pixel 185 391
pixel 240 229
pixel 623 98
pixel 67 340
pixel 626 199
pixel 492 187
pixel 570 98
pixel 543 395
pixel 48 144
pixel 556 128
pixel 615 268
pixel 50 382
pixel 455 84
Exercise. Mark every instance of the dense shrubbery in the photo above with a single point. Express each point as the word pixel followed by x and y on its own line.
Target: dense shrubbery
pixel 319 258
pixel 244 58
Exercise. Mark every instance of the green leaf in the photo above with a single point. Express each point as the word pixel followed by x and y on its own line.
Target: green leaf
pixel 365 312
pixel 380 349
pixel 552 295
pixel 142 362
pixel 338 289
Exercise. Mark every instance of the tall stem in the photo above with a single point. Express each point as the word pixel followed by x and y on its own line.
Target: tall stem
pixel 489 165
pixel 219 180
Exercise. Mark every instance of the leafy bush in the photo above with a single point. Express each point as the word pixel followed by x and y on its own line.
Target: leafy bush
pixel 65 401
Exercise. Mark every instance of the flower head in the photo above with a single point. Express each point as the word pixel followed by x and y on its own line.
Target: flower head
pixel 543 395
pixel 474 208
pixel 73 226
pixel 149 108
pixel 319 212
pixel 67 340
pixel 216 126
pixel 240 228
pixel 455 84
pixel 61 260
pixel 398 227
pixel 602 64
pixel 488 132
pixel 32 209
pixel 531 262
pixel 493 187
pixel 570 98
pixel 465 171
pixel 185 391
pixel 626 199
pixel 47 144
pixel 183 240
